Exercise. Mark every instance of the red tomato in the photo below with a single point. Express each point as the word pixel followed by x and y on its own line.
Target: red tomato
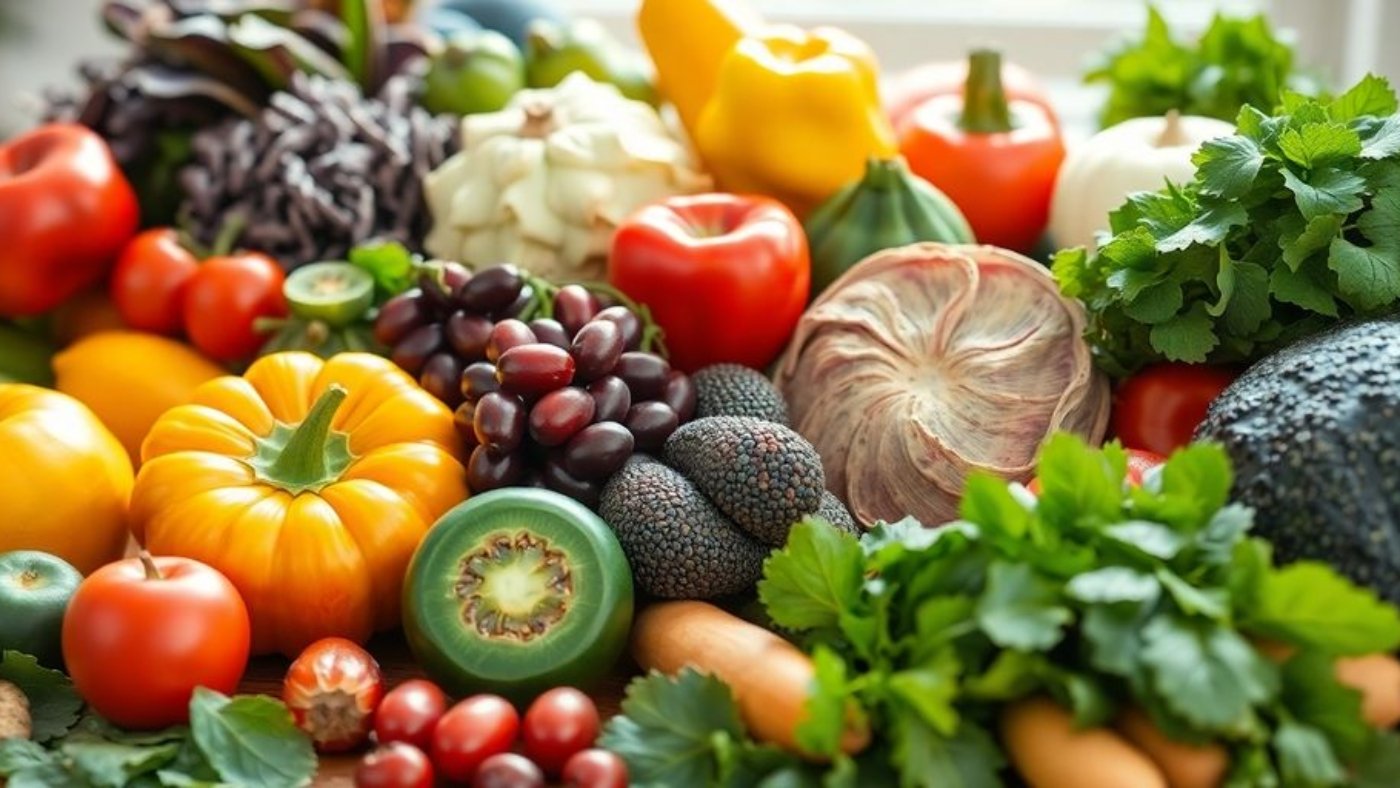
pixel 409 713
pixel 559 724
pixel 1139 463
pixel 332 690
pixel 595 769
pixel 1160 407
pixel 225 297
pixel 508 770
pixel 471 732
pixel 141 634
pixel 395 765
pixel 148 284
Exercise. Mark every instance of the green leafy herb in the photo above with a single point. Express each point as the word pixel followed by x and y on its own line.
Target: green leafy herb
pixel 53 703
pixel 391 264
pixel 1236 62
pixel 251 739
pixel 1289 225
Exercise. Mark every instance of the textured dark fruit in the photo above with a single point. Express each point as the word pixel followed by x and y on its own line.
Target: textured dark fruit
pixel 836 513
pixel 500 422
pixel 412 352
pixel 550 332
pixel 598 450
pixel 645 374
pixel 491 289
pixel 611 398
pixel 651 423
pixel 679 393
pixel 574 306
pixel 506 335
pixel 467 335
pixel 678 544
pixel 735 390
pixel 532 370
pixel 1313 434
pixel 559 415
pixel 596 349
pixel 762 475
pixel 487 470
pixel 627 321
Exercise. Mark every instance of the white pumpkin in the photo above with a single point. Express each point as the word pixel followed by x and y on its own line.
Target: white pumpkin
pixel 1136 155
pixel 544 182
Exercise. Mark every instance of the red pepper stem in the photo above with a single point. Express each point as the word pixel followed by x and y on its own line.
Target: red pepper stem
pixel 149 563
pixel 985 108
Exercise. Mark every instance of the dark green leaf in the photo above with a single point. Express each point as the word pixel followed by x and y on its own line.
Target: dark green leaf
pixel 1155 304
pixel 1371 96
pixel 1207 674
pixel 1209 227
pixel 1309 604
pixel 1112 584
pixel 820 732
pixel 943 618
pixel 1324 191
pixel 1381 224
pixel 1187 337
pixel 1226 166
pixel 114 764
pixel 931 690
pixel 1319 144
pixel 1304 288
pixel 1021 610
pixel 1384 142
pixel 364 21
pixel 20 754
pixel 667 728
pixel 53 704
pixel 814 578
pixel 1249 306
pixel 1380 763
pixel 1212 603
pixel 988 503
pixel 251 739
pixel 1201 473
pixel 1314 697
pixel 926 760
pixel 1368 277
pixel 1305 759
pixel 48 775
pixel 1314 236
pixel 1154 539
pixel 1078 483
pixel 1012 675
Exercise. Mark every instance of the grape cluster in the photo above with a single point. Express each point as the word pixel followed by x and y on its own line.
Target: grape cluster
pixel 552 387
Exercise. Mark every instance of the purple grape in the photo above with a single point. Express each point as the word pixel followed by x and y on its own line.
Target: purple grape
pixel 527 294
pixel 574 306
pixel 679 394
pixel 597 451
pixel 627 321
pixel 651 423
pixel 500 422
pixel 559 415
pixel 550 332
pixel 441 377
pixel 454 276
pixel 488 470
pixel 561 481
pixel 412 352
pixel 478 380
pixel 436 300
pixel 645 374
pixel 596 348
pixel 535 369
pixel 611 398
pixel 491 289
pixel 399 315
pixel 464 418
pixel 468 335
pixel 506 335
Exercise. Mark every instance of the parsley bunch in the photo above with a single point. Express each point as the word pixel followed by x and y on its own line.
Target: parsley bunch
pixel 1099 595
pixel 1290 225
pixel 1237 61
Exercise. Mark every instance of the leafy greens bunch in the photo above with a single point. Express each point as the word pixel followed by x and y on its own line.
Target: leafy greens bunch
pixel 1237 61
pixel 1290 225
pixel 245 740
pixel 1104 597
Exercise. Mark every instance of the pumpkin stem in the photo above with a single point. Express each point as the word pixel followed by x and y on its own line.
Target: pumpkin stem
pixel 302 461
pixel 149 563
pixel 885 173
pixel 1173 133
pixel 985 109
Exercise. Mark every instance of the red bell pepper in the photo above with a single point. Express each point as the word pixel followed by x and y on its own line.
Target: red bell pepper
pixel 66 211
pixel 995 158
pixel 725 276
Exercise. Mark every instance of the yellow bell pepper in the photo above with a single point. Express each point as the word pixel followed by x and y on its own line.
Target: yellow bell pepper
pixel 796 114
pixel 308 483
pixel 687 40
pixel 129 378
pixel 66 480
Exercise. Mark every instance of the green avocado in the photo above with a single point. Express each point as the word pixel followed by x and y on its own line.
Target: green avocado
pixel 517 591
pixel 34 591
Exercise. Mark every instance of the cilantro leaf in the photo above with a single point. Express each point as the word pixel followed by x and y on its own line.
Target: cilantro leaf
pixel 53 703
pixel 1205 673
pixel 111 764
pixel 1020 609
pixel 1305 758
pixel 1154 539
pixel 1209 227
pixel 1303 288
pixel 1227 166
pixel 1187 337
pixel 1309 604
pixel 1114 634
pixel 1384 141
pixel 820 732
pixel 1113 584
pixel 1315 236
pixel 1324 191
pixel 930 690
pixel 1381 224
pixel 1078 483
pixel 1317 144
pixel 970 759
pixel 19 754
pixel 1368 277
pixel 251 739
pixel 1314 697
pixel 1371 96
pixel 814 579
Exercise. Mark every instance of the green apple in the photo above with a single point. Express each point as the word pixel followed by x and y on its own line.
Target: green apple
pixel 553 51
pixel 34 591
pixel 476 71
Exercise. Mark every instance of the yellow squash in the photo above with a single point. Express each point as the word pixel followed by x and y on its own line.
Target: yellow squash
pixel 129 378
pixel 64 480
pixel 309 483
pixel 795 115
pixel 687 40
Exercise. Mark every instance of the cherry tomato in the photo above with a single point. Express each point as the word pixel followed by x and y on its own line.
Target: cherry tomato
pixel 141 634
pixel 471 732
pixel 1159 408
pixel 508 770
pixel 224 299
pixel 332 690
pixel 560 723
pixel 148 283
pixel 395 765
pixel 1139 463
pixel 409 713
pixel 595 769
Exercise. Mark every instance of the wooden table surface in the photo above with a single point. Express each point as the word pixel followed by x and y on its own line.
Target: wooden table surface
pixel 265 676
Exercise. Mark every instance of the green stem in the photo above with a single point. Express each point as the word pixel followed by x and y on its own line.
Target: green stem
pixel 985 109
pixel 302 462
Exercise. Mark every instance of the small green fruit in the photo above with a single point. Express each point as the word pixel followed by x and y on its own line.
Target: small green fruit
pixel 477 71
pixel 553 51
pixel 34 591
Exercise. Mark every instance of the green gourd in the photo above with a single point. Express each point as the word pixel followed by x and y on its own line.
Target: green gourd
pixel 887 208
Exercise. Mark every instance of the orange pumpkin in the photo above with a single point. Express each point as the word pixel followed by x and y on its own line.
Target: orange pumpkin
pixel 309 483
